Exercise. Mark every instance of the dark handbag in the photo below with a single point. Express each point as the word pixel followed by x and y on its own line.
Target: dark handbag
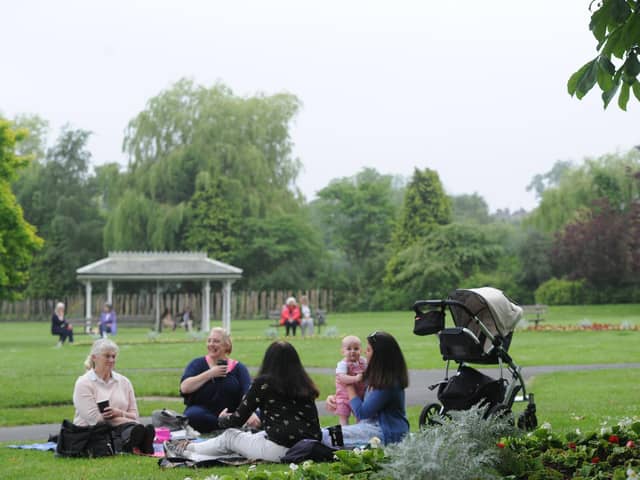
pixel 92 441
pixel 308 449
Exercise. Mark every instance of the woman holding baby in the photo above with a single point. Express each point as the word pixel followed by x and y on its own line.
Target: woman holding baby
pixel 381 413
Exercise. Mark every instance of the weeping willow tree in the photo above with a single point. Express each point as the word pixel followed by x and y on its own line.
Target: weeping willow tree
pixel 570 196
pixel 238 147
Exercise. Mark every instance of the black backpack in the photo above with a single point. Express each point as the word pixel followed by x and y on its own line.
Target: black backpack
pixel 92 441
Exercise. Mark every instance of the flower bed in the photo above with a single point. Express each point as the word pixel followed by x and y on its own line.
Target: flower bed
pixel 584 326
pixel 612 453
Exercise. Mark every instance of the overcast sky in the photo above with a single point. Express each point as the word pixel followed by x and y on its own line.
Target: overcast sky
pixel 475 90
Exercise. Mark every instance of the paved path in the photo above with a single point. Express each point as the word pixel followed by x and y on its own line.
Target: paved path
pixel 416 394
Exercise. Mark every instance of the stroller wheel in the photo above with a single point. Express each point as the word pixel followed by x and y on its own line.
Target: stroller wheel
pixel 432 414
pixel 500 410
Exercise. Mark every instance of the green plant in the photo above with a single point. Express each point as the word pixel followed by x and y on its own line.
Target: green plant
pixel 612 452
pixel 560 292
pixel 462 448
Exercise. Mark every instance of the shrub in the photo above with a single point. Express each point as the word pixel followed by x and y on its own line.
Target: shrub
pixel 463 448
pixel 561 292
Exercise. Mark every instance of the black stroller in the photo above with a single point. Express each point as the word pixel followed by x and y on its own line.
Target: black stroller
pixel 484 321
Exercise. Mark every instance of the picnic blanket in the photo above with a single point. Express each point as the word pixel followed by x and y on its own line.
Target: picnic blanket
pixel 44 447
pixel 158 451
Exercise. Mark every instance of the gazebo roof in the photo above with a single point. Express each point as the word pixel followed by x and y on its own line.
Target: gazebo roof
pixel 158 266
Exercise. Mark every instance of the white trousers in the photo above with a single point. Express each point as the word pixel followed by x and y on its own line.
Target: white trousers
pixel 255 446
pixel 307 327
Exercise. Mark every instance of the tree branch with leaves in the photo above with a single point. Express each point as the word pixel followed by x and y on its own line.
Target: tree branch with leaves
pixel 616 26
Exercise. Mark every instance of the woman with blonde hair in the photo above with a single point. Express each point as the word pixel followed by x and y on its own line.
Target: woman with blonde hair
pixel 103 395
pixel 214 383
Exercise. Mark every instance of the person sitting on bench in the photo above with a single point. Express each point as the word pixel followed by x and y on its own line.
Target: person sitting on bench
pixel 107 323
pixel 59 325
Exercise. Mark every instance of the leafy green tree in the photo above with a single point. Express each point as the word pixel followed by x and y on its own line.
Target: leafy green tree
pixel 189 131
pixel 108 183
pixel 35 144
pixel 440 261
pixel 541 182
pixel 615 24
pixel 280 251
pixel 212 225
pixel 189 128
pixel 570 198
pixel 535 254
pixel 470 209
pixel 425 206
pixel 57 196
pixel 128 226
pixel 357 218
pixel 18 239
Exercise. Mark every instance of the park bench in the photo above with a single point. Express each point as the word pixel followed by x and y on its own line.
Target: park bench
pixel 148 321
pixel 319 319
pixel 534 313
pixel 274 317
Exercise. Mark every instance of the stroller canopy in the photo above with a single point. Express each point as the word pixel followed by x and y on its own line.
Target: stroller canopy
pixel 498 314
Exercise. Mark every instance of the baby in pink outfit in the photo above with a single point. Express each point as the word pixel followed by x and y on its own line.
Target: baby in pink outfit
pixel 349 372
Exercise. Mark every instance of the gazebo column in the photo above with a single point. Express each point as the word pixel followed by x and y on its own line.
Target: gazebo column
pixel 226 305
pixel 87 307
pixel 110 291
pixel 157 306
pixel 206 306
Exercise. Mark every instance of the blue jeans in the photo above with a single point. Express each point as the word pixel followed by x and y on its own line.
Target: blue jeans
pixel 201 418
pixel 357 434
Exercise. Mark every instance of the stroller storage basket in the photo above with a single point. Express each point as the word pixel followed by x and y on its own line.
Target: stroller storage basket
pixel 428 323
pixel 461 345
pixel 469 387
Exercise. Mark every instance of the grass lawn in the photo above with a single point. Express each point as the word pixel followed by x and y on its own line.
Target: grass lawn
pixel 38 379
pixel 567 400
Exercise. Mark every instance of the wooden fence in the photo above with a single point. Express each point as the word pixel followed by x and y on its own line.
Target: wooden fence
pixel 244 304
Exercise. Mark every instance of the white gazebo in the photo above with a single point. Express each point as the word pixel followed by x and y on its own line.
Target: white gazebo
pixel 163 267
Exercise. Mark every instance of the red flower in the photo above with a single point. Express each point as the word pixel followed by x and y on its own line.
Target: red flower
pixel 614 439
pixel 571 445
pixel 500 445
pixel 631 444
pixel 595 460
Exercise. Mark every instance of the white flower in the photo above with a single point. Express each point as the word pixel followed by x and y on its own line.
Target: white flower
pixel 578 431
pixel 546 426
pixel 252 467
pixel 307 464
pixel 293 467
pixel 632 475
pixel 357 451
pixel 625 422
pixel 212 477
pixel 375 442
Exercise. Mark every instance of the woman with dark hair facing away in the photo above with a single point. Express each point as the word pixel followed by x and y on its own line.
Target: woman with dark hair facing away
pixel 214 383
pixel 284 393
pixel 382 412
